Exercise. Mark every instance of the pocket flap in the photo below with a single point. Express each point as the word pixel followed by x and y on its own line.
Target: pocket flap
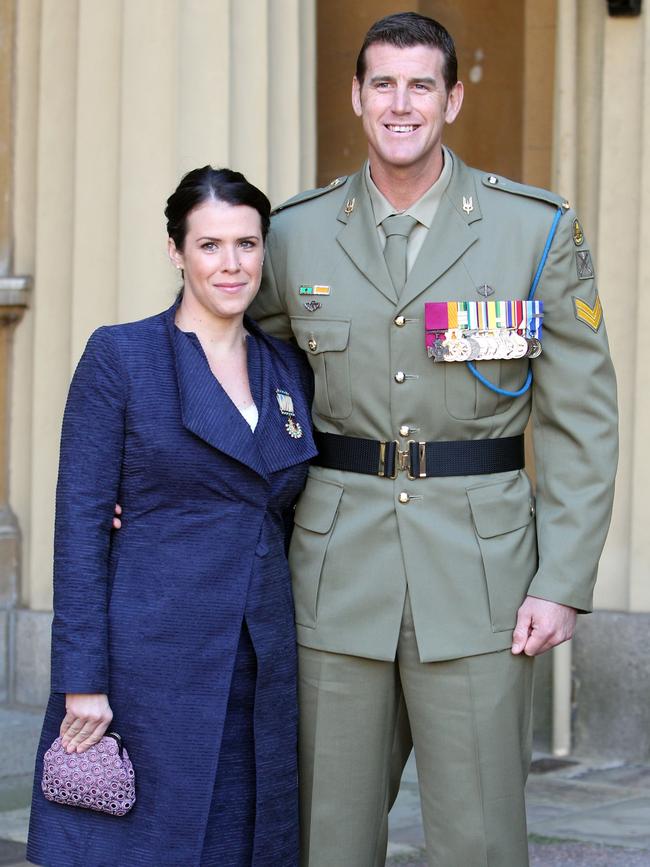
pixel 321 335
pixel 501 508
pixel 318 504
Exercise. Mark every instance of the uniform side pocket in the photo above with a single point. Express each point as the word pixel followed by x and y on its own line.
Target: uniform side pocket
pixel 314 521
pixel 503 515
pixel 325 341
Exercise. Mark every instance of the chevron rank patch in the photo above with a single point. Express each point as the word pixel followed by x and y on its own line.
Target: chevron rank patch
pixel 591 316
pixel 584 265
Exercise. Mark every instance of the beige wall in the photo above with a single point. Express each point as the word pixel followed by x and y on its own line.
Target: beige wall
pixel 602 164
pixel 114 100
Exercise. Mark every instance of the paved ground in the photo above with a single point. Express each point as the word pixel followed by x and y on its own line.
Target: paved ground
pixel 581 813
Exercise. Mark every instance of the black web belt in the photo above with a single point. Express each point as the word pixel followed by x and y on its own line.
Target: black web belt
pixel 420 460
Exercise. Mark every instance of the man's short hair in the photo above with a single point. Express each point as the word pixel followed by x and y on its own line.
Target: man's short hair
pixel 405 29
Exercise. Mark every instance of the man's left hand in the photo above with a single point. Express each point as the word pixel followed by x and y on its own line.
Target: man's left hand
pixel 541 625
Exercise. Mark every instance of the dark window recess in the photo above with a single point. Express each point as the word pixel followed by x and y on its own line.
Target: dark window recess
pixel 624 7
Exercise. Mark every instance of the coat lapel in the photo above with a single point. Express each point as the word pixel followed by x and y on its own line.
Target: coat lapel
pixel 268 373
pixel 449 236
pixel 358 237
pixel 206 409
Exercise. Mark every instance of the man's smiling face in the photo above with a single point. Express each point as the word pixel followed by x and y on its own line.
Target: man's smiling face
pixel 404 105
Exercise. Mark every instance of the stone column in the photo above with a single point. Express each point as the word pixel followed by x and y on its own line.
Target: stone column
pixel 13 301
pixel 113 102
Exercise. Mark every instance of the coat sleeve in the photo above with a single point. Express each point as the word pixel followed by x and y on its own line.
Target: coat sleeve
pixel 92 442
pixel 575 431
pixel 268 307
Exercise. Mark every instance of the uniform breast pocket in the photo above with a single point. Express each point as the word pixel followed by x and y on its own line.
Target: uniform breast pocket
pixel 467 398
pixel 325 341
pixel 314 525
pixel 503 516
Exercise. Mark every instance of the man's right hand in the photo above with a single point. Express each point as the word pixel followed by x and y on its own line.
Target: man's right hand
pixel 116 521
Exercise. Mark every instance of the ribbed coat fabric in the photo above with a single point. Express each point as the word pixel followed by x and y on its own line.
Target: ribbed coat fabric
pixel 154 614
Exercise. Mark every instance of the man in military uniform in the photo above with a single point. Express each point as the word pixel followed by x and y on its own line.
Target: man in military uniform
pixel 426 572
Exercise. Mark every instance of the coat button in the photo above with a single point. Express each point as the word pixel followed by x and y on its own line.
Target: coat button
pixel 404 430
pixel 532 509
pixel 403 497
pixel 400 376
pixel 312 343
pixel 399 321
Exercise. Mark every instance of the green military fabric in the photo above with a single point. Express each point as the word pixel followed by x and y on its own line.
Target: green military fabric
pixel 469 547
pixel 397 227
pixel 470 719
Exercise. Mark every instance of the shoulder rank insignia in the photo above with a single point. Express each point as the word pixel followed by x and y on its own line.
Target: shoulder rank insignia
pixel 578 234
pixel 591 316
pixel 584 265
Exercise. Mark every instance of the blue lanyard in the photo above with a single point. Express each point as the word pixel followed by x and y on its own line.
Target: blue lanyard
pixel 529 378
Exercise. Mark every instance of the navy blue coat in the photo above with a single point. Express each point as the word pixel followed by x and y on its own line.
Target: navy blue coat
pixel 152 614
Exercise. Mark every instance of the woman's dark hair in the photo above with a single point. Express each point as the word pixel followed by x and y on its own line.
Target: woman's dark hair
pixel 405 29
pixel 202 185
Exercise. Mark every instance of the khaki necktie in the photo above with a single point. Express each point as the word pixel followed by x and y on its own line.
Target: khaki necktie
pixel 397 228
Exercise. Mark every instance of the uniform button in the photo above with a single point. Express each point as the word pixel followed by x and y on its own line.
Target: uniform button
pixel 312 343
pixel 404 497
pixel 493 180
pixel 532 509
pixel 404 430
pixel 400 376
pixel 399 321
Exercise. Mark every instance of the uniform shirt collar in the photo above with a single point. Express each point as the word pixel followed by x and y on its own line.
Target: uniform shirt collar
pixel 424 210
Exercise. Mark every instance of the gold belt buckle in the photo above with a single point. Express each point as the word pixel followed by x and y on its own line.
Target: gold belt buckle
pixel 422 460
pixel 383 445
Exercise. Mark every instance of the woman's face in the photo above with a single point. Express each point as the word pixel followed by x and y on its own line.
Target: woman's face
pixel 222 259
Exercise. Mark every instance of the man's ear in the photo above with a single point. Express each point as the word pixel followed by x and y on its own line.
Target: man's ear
pixel 454 102
pixel 356 97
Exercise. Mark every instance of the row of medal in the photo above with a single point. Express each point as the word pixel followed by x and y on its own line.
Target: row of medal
pixel 483 330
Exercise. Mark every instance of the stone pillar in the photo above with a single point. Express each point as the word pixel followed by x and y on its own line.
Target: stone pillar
pixel 602 159
pixel 13 301
pixel 113 102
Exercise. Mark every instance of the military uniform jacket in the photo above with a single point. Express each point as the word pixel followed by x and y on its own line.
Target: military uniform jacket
pixel 469 548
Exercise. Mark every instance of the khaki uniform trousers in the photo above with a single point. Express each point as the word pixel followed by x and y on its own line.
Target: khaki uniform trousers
pixel 470 722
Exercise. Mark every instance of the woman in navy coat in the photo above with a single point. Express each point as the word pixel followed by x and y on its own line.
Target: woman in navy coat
pixel 180 625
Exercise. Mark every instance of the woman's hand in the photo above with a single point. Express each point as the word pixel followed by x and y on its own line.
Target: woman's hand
pixel 87 718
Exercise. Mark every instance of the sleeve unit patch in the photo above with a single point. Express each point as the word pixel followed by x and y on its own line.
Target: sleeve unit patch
pixel 591 316
pixel 584 265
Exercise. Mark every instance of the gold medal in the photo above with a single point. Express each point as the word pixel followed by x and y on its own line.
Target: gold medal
pixel 285 405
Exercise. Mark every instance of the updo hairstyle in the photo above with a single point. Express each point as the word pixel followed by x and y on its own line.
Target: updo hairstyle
pixel 202 185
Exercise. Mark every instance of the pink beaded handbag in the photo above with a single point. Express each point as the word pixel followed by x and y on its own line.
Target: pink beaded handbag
pixel 102 778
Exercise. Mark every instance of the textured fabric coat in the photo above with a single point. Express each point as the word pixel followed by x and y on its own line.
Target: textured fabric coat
pixel 152 614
